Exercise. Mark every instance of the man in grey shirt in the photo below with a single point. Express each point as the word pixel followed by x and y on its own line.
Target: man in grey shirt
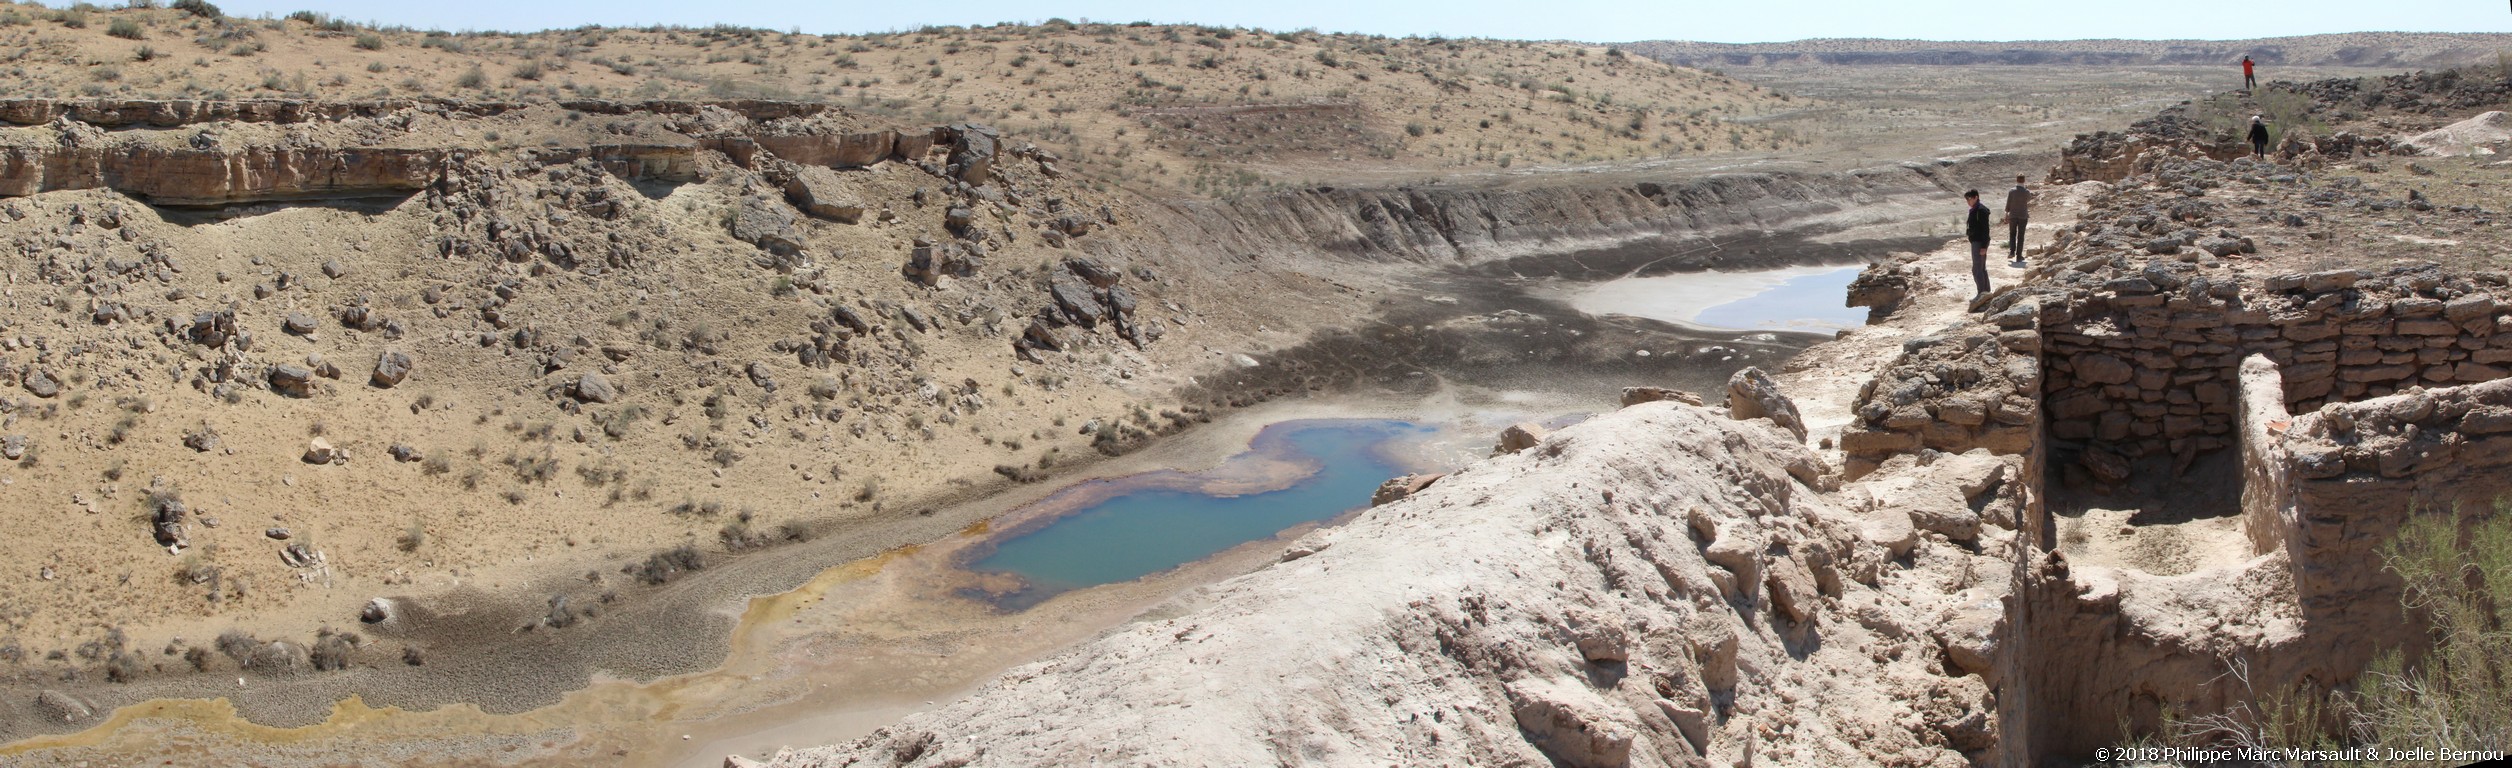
pixel 2018 209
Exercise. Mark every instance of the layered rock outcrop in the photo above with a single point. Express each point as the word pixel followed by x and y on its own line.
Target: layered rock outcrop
pixel 1477 224
pixel 204 153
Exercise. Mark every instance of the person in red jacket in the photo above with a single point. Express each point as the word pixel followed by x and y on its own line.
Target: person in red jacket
pixel 2250 74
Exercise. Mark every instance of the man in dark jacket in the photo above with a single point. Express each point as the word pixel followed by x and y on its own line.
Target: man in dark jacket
pixel 1976 226
pixel 2018 210
pixel 2258 137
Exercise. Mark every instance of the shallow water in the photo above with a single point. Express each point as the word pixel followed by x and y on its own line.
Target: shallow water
pixel 1149 523
pixel 1806 299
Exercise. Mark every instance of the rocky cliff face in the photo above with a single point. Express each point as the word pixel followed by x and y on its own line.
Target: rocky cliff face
pixel 209 153
pixel 1462 225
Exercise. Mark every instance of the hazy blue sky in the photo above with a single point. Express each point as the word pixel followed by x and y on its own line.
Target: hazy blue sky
pixel 1591 20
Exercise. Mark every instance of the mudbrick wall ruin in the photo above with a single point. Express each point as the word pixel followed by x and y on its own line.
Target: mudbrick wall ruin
pixel 2329 487
pixel 2148 338
pixel 2143 363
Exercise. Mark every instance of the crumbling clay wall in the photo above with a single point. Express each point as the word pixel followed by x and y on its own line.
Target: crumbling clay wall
pixel 1969 385
pixel 2353 474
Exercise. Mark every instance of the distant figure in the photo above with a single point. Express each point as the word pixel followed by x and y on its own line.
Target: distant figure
pixel 2250 74
pixel 2258 137
pixel 2018 210
pixel 1977 227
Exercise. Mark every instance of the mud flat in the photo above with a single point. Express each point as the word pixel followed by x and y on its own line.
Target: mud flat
pixel 851 648
pixel 1806 299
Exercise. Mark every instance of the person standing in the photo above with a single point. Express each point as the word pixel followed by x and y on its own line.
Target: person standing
pixel 2018 210
pixel 1976 227
pixel 2250 74
pixel 2258 137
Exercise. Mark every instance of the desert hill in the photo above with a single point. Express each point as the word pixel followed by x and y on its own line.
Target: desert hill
pixel 1208 108
pixel 2353 49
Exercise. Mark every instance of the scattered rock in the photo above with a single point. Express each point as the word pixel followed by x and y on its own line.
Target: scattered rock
pixel 1793 589
pixel 1636 395
pixel 319 451
pixel 1395 489
pixel 334 269
pixel 1519 437
pixel 296 555
pixel 592 387
pixel 1097 274
pixel 768 224
pixel 292 380
pixel 1751 394
pixel 818 192
pixel 391 366
pixel 13 447
pixel 298 323
pixel 41 383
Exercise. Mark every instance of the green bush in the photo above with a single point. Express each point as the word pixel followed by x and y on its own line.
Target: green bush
pixel 125 29
pixel 2457 695
pixel 370 42
pixel 2460 694
pixel 201 8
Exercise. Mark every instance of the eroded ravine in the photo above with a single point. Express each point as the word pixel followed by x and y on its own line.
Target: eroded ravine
pixel 858 645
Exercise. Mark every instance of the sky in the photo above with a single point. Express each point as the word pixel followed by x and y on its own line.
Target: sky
pixel 1730 21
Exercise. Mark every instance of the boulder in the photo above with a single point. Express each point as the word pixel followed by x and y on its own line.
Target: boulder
pixel 1751 394
pixel 846 316
pixel 391 366
pixel 1793 590
pixel 1044 336
pixel 41 383
pixel 1397 488
pixel 1970 636
pixel 817 192
pixel 765 223
pixel 63 708
pixel 319 451
pixel 298 323
pixel 292 380
pixel 958 219
pixel 1636 395
pixel 1946 513
pixel 1519 437
pixel 13 447
pixel 592 387
pixel 1738 552
pixel 334 269
pixel 973 149
pixel 1097 274
pixel 1080 305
